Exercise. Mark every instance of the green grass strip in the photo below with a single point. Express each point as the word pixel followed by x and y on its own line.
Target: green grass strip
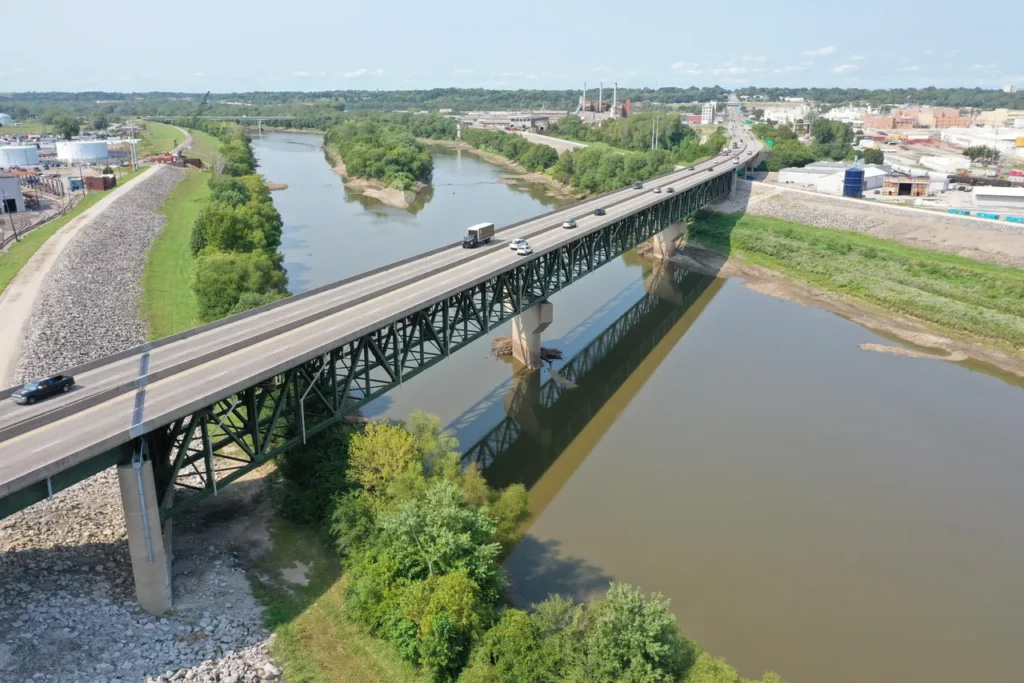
pixel 168 303
pixel 952 293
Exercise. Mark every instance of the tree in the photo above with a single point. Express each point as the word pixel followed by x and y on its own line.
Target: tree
pixel 872 156
pixel 378 455
pixel 222 278
pixel 66 126
pixel 100 121
pixel 515 649
pixel 982 153
pixel 635 640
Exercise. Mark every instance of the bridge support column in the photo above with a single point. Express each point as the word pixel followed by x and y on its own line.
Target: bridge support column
pixel 526 329
pixel 664 243
pixel 149 542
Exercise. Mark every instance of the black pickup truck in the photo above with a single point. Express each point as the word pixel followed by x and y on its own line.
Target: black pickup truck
pixel 41 388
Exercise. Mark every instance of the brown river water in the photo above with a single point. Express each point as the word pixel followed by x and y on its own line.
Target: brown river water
pixel 811 508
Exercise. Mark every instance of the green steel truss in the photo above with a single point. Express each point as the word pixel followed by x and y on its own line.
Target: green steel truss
pixel 208 449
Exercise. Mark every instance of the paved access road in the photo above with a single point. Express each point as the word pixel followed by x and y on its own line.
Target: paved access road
pixel 188 372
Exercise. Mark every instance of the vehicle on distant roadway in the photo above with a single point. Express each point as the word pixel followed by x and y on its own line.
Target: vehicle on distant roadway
pixel 569 223
pixel 670 190
pixel 638 185
pixel 478 234
pixel 690 168
pixel 524 249
pixel 711 169
pixel 38 389
pixel 598 212
pixel 735 162
pixel 657 190
pixel 514 244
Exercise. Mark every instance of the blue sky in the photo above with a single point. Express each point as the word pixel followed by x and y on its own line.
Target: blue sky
pixel 319 45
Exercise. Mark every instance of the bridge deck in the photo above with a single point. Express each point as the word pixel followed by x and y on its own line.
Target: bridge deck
pixel 131 393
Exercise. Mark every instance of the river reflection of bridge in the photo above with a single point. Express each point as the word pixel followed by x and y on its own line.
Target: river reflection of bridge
pixel 581 397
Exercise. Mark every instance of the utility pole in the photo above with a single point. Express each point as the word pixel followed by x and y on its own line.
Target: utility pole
pixel 10 217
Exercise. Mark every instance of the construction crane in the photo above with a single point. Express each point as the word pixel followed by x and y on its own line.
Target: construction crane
pixel 194 123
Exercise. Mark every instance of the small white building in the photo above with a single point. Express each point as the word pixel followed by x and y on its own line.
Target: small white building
pixel 6 120
pixel 707 113
pixel 946 164
pixel 11 199
pixel 1004 140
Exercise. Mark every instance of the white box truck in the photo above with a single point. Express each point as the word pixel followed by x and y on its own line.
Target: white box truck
pixel 478 234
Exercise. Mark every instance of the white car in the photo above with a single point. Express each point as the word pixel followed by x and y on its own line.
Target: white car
pixel 570 223
pixel 516 243
pixel 524 249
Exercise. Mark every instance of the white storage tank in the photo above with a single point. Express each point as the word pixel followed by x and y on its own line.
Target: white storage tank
pixel 18 155
pixel 82 150
pixel 6 120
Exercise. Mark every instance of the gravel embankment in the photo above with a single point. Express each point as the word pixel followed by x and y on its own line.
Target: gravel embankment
pixel 89 305
pixel 67 604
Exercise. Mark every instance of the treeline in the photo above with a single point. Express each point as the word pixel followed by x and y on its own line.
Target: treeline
pixel 532 157
pixel 938 97
pixel 236 236
pixel 422 540
pixel 831 140
pixel 635 133
pixel 379 149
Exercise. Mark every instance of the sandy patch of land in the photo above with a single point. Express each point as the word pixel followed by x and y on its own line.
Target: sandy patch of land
pixel 374 188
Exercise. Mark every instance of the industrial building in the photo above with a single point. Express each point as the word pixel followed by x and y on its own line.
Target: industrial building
pixel 11 199
pixel 905 186
pixel 19 155
pixel 829 177
pixel 1007 141
pixel 950 164
pixel 786 112
pixel 82 150
pixel 6 120
pixel 707 113
pixel 986 197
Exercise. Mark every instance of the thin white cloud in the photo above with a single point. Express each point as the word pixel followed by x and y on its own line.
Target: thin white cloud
pixel 197 74
pixel 359 73
pixel 687 68
pixel 912 67
pixel 463 72
pixel 821 51
pixel 729 71
pixel 19 70
pixel 754 58
pixel 790 68
pixel 844 68
pixel 301 74
pixel 985 67
pixel 857 58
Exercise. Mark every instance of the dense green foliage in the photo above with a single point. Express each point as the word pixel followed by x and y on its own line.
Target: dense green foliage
pixel 236 235
pixel 951 292
pixel 532 157
pixel 982 153
pixel 872 156
pixel 831 140
pixel 422 539
pixel 66 126
pixel 384 151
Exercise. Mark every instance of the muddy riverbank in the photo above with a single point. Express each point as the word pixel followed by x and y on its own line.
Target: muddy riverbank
pixel 400 199
pixel 518 173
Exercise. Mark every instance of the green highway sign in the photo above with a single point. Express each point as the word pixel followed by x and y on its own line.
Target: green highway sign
pixel 769 143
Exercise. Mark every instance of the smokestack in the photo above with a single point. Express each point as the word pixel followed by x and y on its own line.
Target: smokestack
pixel 600 95
pixel 615 101
pixel 584 107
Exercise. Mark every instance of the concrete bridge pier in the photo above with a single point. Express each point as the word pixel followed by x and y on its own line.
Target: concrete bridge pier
pixel 526 330
pixel 149 541
pixel 664 243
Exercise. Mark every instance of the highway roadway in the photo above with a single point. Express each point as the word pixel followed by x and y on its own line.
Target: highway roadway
pixel 190 371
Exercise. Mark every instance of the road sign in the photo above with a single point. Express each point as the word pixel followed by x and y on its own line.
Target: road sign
pixel 769 143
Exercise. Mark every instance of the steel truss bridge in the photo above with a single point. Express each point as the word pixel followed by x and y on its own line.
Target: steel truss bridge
pixel 206 448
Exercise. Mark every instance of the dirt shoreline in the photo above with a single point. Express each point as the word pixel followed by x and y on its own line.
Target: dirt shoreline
pixel 930 343
pixel 557 189
pixel 391 196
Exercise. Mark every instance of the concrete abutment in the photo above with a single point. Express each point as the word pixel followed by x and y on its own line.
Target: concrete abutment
pixel 526 331
pixel 149 541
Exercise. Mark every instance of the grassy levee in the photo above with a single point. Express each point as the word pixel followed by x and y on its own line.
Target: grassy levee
pixel 955 295
pixel 19 253
pixel 168 302
pixel 314 640
pixel 204 146
pixel 159 138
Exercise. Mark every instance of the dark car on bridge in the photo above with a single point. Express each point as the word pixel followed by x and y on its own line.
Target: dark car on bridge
pixel 43 388
pixel 598 212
